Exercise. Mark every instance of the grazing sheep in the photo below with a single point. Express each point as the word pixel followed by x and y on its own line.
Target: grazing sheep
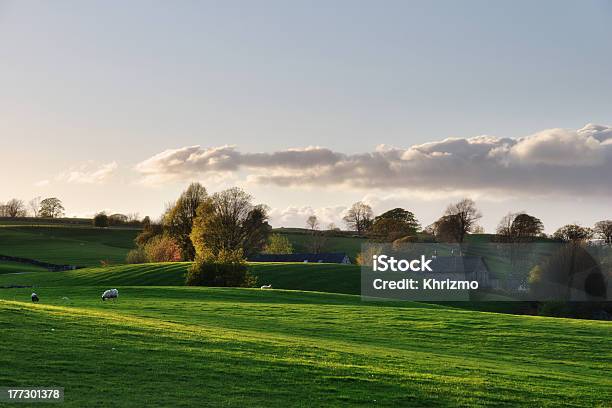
pixel 267 286
pixel 110 294
pixel 35 298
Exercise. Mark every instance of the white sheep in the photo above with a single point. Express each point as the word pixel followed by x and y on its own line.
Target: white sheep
pixel 267 286
pixel 110 294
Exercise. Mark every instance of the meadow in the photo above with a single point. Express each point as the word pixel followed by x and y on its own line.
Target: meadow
pixel 61 244
pixel 183 346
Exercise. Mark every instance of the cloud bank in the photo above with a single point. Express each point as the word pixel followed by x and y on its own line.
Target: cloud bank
pixel 553 161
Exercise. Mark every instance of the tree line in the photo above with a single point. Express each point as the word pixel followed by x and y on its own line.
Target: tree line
pixel 38 208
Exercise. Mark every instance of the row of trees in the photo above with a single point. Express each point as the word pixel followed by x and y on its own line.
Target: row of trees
pixel 459 220
pixel 45 208
pixel 102 220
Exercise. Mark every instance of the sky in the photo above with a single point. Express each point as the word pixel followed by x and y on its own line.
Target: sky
pixel 310 106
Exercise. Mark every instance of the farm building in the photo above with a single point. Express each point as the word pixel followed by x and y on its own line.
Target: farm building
pixel 330 257
pixel 474 267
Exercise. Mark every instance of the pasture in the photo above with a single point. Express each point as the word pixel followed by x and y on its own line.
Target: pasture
pixel 185 346
pixel 81 246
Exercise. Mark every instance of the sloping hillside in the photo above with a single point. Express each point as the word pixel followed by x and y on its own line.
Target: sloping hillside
pixel 179 346
pixel 82 246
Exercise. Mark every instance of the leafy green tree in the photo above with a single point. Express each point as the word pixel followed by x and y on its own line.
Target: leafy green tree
pixel 178 220
pixel 229 221
pixel 51 208
pixel 573 233
pixel 226 268
pixel 278 244
pixel 100 220
pixel 519 227
pixel 448 228
pixel 394 224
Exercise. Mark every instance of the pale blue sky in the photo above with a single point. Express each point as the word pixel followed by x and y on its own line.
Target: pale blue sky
pixel 110 81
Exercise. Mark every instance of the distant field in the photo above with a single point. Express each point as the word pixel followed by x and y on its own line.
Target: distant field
pixel 347 244
pixel 82 246
pixel 16 267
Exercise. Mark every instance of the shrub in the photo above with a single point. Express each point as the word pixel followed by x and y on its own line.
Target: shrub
pixel 136 256
pixel 228 268
pixel 162 249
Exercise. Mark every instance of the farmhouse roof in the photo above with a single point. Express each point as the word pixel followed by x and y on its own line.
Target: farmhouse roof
pixel 329 257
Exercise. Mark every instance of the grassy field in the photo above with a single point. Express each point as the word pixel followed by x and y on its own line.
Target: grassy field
pixel 184 346
pixel 312 277
pixel 16 267
pixel 301 240
pixel 82 246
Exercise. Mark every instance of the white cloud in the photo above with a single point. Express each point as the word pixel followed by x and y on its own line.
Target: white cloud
pixel 296 216
pixel 88 173
pixel 553 161
pixel 42 183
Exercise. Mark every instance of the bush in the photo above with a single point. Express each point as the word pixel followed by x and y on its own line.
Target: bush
pixel 228 268
pixel 136 256
pixel 162 249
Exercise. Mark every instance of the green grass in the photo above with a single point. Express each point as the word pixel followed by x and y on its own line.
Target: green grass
pixel 17 267
pixel 67 245
pixel 332 278
pixel 179 346
pixel 349 245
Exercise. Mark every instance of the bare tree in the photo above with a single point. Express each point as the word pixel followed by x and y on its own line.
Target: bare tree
pixel 312 223
pixel 332 227
pixel 34 205
pixel 15 208
pixel 359 217
pixel 604 230
pixel 466 215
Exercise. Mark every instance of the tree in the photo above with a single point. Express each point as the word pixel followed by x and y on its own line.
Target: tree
pixel 447 228
pixel 162 248
pixel 573 233
pixel 51 208
pixel 117 219
pixel 317 238
pixel 100 220
pixel 178 220
pixel 333 227
pixel 466 215
pixel 519 227
pixel 604 230
pixel 359 217
pixel 34 205
pixel 227 268
pixel 15 208
pixel 229 221
pixel 278 244
pixel 394 224
pixel 312 223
